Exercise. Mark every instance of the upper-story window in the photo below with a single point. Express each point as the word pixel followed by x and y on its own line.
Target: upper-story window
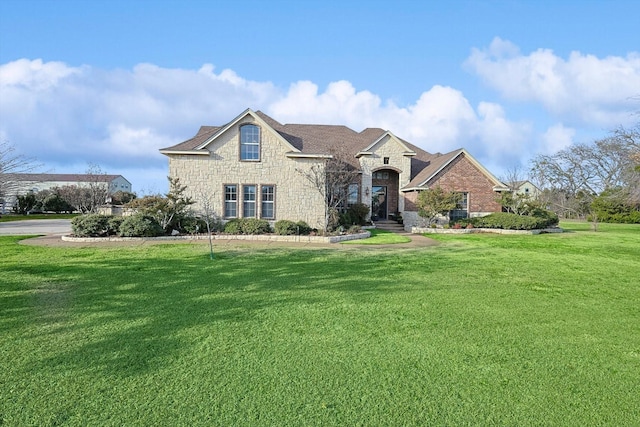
pixel 250 143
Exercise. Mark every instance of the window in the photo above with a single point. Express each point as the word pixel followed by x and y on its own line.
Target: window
pixel 250 143
pixel 461 210
pixel 381 175
pixel 268 198
pixel 385 160
pixel 249 201
pixel 230 201
pixel 352 196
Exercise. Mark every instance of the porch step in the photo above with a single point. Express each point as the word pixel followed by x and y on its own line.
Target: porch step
pixel 392 226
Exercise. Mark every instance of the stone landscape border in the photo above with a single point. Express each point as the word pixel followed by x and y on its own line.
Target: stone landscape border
pixel 248 237
pixel 425 230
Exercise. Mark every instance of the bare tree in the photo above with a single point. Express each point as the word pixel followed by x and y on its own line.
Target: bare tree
pixel 207 213
pixel 13 164
pixel 98 187
pixel 331 178
pixel 512 200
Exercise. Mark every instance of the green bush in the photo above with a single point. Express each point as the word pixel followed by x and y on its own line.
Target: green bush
pixel 140 225
pixel 113 225
pixel 192 225
pixel 358 213
pixel 284 227
pixel 303 228
pixel 254 226
pixel 247 226
pixel 91 225
pixel 233 226
pixel 510 221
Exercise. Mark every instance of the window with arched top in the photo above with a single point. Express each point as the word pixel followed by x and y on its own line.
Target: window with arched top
pixel 249 143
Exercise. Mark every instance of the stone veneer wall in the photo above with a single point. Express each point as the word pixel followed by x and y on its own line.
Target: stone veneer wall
pixel 205 176
pixel 397 160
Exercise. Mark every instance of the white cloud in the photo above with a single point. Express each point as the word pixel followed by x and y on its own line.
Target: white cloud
pixel 441 120
pixel 65 114
pixel 119 119
pixel 582 88
pixel 556 138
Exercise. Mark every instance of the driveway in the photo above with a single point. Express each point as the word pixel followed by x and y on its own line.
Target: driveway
pixel 37 226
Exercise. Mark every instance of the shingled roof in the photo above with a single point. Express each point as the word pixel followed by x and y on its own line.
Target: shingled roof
pixel 312 139
pixel 63 177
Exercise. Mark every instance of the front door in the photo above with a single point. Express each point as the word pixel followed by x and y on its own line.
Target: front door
pixel 379 202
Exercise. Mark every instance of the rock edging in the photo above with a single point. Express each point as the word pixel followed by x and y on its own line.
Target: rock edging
pixel 425 230
pixel 248 237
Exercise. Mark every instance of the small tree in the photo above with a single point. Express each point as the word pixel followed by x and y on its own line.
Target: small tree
pixel 169 210
pixel 331 179
pixel 208 215
pixel 435 202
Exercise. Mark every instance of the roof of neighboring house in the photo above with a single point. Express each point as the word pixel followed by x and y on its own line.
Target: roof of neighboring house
pixel 65 177
pixel 312 139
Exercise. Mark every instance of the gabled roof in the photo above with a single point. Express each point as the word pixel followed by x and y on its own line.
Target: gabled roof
pixel 438 163
pixel 312 140
pixel 367 150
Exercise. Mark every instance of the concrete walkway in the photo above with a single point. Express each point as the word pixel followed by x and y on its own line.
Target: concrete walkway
pixel 56 227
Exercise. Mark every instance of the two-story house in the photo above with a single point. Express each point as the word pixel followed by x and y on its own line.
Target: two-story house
pixel 254 166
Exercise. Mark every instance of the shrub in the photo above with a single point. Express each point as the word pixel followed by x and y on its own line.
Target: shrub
pixel 233 226
pixel 140 225
pixel 358 213
pixel 510 221
pixel 303 228
pixel 113 225
pixel 254 226
pixel 192 225
pixel 91 225
pixel 247 226
pixel 284 227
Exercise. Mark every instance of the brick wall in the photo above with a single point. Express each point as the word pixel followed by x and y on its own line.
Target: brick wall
pixel 462 175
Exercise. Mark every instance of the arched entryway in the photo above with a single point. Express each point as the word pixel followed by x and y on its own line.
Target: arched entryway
pixel 384 193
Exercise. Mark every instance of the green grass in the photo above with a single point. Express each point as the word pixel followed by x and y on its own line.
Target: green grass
pixel 480 330
pixel 14 217
pixel 379 237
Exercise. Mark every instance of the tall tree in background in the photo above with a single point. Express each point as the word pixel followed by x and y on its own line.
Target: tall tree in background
pixel 579 173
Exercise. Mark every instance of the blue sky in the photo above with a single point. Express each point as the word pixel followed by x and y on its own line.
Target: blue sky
pixel 111 82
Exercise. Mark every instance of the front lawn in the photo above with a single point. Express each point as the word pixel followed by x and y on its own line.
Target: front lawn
pixel 379 237
pixel 479 330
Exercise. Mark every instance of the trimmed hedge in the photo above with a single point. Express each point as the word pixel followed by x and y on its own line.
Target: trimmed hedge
pixel 247 226
pixel 510 221
pixel 140 225
pixel 284 227
pixel 92 225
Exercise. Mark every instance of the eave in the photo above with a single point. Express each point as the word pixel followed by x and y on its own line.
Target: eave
pixel 308 156
pixel 186 152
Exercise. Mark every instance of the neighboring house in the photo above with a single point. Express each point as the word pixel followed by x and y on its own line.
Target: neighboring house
pixel 526 188
pixel 254 166
pixel 34 182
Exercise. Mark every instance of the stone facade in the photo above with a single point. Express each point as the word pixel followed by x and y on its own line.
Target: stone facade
pixel 206 176
pixel 211 160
